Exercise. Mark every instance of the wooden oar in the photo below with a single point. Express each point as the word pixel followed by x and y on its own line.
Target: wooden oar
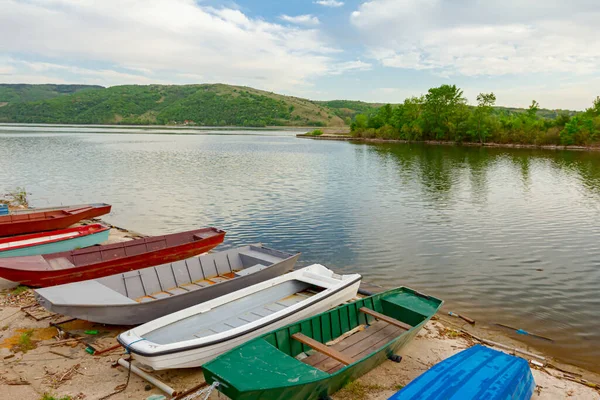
pixel 464 318
pixel 524 332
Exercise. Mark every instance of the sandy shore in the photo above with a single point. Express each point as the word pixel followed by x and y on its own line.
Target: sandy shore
pixel 36 360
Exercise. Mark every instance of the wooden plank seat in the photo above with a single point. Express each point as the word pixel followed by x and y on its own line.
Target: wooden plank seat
pixel 382 317
pixel 356 346
pixel 360 344
pixel 321 348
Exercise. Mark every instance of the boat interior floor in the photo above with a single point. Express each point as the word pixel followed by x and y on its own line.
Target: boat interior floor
pixel 187 287
pixel 235 313
pixel 258 312
pixel 356 346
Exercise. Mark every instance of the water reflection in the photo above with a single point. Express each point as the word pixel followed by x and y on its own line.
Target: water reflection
pixel 514 230
pixel 506 235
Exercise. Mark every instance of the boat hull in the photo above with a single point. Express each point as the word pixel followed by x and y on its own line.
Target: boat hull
pixel 141 312
pixel 37 271
pixel 478 373
pixel 266 368
pixel 67 244
pixel 42 221
pixel 198 357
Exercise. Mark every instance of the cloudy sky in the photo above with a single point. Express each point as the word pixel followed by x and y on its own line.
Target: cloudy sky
pixel 377 50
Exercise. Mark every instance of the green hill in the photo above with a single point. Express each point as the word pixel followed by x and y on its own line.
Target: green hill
pixel 22 92
pixel 204 105
pixel 348 109
pixel 542 112
pixel 209 105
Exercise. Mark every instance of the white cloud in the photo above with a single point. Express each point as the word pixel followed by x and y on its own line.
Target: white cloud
pixel 137 41
pixel 340 68
pixel 571 95
pixel 306 19
pixel 88 75
pixel 479 38
pixel 329 3
pixel 6 70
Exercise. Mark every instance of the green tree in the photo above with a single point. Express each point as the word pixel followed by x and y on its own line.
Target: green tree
pixel 408 118
pixel 595 109
pixel 533 109
pixel 385 114
pixel 481 115
pixel 360 123
pixel 444 109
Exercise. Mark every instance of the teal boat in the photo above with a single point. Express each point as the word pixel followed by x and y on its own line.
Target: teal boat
pixel 315 357
pixel 53 241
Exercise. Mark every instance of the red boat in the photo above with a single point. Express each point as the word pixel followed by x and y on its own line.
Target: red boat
pixel 40 221
pixel 98 261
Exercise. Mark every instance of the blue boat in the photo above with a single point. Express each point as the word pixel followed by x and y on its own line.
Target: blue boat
pixel 3 209
pixel 478 373
pixel 54 241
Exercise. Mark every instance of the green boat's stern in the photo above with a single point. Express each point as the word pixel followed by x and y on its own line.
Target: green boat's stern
pixel 409 306
pixel 251 370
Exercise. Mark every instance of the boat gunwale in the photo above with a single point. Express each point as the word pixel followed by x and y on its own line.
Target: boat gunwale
pixel 23 211
pixel 51 215
pixel 290 310
pixel 159 300
pixel 85 231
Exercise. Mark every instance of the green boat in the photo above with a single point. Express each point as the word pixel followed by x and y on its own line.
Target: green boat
pixel 315 357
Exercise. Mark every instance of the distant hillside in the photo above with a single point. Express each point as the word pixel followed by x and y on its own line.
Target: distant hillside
pixel 209 105
pixel 204 105
pixel 21 92
pixel 542 112
pixel 348 109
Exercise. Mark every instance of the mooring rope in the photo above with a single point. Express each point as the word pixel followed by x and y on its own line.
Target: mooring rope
pixel 206 392
pixel 121 387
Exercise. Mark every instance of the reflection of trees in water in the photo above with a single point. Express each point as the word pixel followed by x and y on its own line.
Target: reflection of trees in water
pixel 432 166
pixel 585 164
pixel 440 169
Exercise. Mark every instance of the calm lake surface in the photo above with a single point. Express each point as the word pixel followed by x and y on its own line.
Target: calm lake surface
pixel 504 236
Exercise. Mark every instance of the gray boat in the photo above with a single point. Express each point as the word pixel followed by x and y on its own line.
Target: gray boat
pixel 136 297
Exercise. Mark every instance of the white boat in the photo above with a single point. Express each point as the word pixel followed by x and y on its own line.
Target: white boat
pixel 196 335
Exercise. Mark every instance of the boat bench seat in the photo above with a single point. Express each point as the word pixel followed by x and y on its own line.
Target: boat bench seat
pixel 385 318
pixel 251 270
pixel 356 347
pixel 60 263
pixel 251 257
pixel 321 348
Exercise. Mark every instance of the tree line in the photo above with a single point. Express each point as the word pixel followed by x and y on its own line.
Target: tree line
pixel 443 114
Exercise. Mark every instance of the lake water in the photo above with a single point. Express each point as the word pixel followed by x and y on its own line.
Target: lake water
pixel 504 236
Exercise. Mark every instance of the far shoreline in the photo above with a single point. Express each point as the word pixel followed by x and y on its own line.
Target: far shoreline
pixel 348 138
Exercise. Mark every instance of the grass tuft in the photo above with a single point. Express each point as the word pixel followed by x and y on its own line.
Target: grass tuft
pixel 25 343
pixel 358 391
pixel 316 132
pixel 48 396
pixel 19 289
